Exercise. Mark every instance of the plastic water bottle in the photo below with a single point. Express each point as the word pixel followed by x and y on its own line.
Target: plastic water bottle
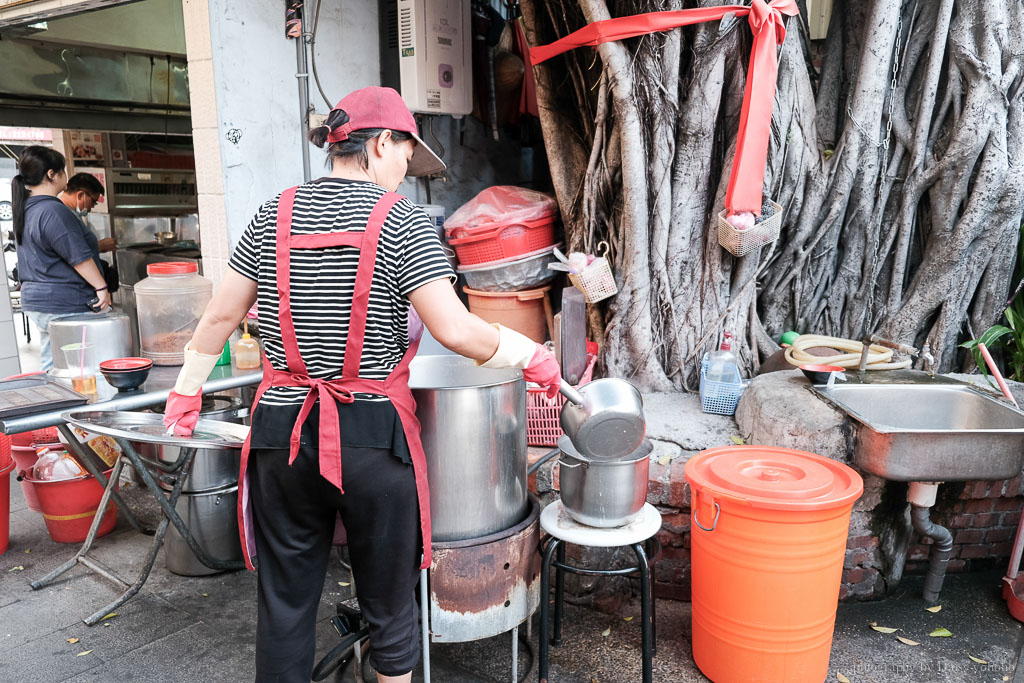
pixel 722 363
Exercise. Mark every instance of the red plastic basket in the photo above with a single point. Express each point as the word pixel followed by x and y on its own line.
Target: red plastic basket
pixel 542 426
pixel 475 246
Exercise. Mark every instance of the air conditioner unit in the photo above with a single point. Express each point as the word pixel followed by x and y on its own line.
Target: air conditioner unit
pixel 426 54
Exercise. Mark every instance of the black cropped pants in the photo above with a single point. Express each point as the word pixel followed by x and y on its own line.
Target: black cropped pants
pixel 294 511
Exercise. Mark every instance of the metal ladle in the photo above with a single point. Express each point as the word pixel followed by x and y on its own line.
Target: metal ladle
pixel 604 419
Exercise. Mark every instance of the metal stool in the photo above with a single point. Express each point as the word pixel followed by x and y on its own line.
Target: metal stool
pixel 639 535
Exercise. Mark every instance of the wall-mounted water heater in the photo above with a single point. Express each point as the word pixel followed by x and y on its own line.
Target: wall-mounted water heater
pixel 425 54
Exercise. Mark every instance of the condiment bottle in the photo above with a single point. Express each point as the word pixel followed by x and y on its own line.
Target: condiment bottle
pixel 722 363
pixel 247 351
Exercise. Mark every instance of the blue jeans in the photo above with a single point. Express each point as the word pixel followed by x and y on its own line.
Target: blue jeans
pixel 42 321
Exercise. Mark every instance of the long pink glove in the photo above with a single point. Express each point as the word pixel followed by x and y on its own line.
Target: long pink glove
pixel 543 370
pixel 182 412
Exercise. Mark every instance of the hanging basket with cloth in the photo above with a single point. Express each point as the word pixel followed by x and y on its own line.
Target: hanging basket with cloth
pixel 740 242
pixel 595 279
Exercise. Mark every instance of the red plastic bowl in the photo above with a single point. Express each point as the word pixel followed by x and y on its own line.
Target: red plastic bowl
pixel 818 374
pixel 125 364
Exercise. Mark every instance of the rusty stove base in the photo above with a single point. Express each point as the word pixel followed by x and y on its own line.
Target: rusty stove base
pixel 484 586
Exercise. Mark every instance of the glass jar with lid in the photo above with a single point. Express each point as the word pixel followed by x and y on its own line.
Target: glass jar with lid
pixel 170 303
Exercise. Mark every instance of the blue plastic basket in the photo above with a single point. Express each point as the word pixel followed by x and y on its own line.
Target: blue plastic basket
pixel 719 398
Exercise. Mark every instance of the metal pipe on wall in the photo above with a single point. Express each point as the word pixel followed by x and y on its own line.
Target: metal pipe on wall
pixel 302 76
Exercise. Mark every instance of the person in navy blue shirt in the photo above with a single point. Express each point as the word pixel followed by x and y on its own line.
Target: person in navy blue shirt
pixel 58 256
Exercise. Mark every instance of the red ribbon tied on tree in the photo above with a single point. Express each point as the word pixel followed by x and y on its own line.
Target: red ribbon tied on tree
pixel 766 22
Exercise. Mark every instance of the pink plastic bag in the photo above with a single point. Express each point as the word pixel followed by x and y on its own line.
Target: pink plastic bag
pixel 501 204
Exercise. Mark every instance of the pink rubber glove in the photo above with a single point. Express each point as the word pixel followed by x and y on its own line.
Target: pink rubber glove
pixel 543 370
pixel 182 412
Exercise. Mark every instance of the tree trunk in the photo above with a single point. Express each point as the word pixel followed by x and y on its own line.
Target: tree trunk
pixel 899 165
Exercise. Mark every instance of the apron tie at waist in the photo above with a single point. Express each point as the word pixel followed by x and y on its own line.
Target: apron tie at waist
pixel 326 391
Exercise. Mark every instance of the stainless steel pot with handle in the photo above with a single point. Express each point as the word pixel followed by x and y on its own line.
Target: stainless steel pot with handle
pixel 603 494
pixel 110 334
pixel 604 418
pixel 473 428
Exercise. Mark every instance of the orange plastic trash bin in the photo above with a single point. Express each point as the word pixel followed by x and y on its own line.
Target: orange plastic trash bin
pixel 767 548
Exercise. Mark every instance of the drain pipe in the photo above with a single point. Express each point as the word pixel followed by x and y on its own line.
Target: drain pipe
pixel 302 76
pixel 922 497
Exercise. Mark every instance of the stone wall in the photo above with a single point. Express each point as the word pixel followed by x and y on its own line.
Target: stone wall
pixel 779 409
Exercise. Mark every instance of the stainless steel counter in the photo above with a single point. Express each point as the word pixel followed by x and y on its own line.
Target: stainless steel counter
pixel 154 392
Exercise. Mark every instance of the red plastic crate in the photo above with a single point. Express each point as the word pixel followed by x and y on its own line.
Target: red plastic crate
pixel 542 426
pixel 502 241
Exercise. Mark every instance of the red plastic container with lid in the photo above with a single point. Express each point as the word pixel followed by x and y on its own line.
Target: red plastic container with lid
pixel 767 550
pixel 170 302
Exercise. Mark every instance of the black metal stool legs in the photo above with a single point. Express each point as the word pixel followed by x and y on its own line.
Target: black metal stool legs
pixel 646 611
pixel 556 632
pixel 545 592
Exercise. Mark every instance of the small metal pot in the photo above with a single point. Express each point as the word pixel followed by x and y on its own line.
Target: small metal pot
pixel 603 494
pixel 604 418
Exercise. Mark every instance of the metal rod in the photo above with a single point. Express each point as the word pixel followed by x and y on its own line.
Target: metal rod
pixel 515 654
pixel 78 449
pixel 545 595
pixel 97 519
pixel 104 571
pixel 302 77
pixel 425 624
pixel 556 631
pixel 53 418
pixel 646 618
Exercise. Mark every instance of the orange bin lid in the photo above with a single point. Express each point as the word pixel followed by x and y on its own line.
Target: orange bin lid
pixel 774 478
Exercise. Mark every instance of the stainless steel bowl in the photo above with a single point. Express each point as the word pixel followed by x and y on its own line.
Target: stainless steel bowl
pixel 603 494
pixel 608 422
pixel 526 272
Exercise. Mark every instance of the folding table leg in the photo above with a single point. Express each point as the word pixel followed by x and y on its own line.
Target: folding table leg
pixel 97 519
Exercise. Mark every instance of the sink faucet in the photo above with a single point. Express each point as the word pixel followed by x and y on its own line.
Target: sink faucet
pixel 924 354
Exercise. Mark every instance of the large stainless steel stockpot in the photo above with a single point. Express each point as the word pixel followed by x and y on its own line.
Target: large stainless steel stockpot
pixel 110 334
pixel 603 493
pixel 473 428
pixel 211 468
pixel 212 518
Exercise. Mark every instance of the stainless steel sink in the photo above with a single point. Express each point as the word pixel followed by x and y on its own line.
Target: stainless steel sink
pixel 915 427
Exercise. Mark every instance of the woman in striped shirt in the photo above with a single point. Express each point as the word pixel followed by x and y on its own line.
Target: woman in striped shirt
pixel 334 265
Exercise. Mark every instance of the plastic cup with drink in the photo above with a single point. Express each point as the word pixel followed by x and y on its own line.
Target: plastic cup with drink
pixel 81 361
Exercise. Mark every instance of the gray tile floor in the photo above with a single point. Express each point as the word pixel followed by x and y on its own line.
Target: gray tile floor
pixel 201 628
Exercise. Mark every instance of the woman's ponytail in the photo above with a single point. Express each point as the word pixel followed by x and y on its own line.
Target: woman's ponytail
pixel 34 166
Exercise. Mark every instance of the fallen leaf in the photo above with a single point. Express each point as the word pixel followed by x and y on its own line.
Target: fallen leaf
pixel 828 153
pixel 738 440
pixel 934 610
pixel 107 625
pixel 28 550
pixel 85 652
pixel 206 595
pixel 883 629
pixel 607 632
pixel 16 568
pixel 664 460
pixel 978 660
pixel 72 640
pixel 907 641
pixel 941 632
pixel 109 616
pixel 627 618
pixel 344 583
pixel 841 678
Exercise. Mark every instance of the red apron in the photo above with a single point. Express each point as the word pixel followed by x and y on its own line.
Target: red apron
pixel 395 387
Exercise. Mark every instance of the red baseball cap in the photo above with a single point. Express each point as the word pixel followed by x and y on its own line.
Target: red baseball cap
pixel 376 107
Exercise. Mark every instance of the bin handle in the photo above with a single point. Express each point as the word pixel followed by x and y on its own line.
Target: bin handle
pixel 714 522
pixel 485 235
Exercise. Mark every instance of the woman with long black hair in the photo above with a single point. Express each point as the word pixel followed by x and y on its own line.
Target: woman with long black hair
pixel 58 257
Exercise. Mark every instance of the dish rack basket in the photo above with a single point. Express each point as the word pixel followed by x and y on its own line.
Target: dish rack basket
pixel 596 280
pixel 719 398
pixel 742 242
pixel 542 425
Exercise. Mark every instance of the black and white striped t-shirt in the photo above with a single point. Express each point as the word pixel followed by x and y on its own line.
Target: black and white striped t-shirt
pixel 409 255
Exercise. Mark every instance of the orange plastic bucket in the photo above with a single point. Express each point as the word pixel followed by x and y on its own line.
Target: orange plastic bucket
pixel 767 550
pixel 69 506
pixel 527 311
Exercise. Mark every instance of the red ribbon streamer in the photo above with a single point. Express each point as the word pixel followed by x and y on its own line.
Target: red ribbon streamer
pixel 765 18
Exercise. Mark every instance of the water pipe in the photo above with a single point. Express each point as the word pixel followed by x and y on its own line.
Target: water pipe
pixel 921 496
